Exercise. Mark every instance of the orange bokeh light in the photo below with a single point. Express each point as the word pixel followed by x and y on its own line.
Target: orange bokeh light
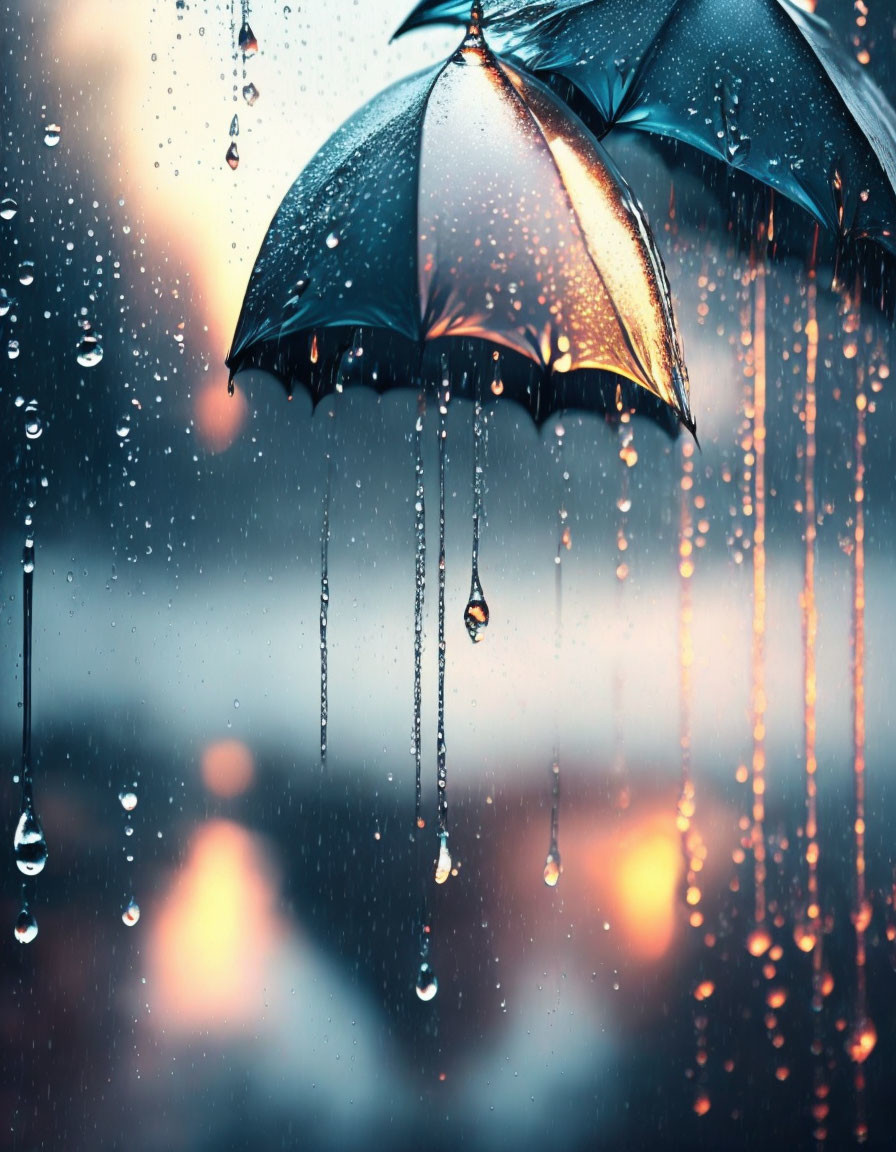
pixel 647 873
pixel 213 934
pixel 228 768
pixel 219 416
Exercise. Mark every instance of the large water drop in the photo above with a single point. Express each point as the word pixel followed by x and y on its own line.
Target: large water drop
pixel 29 844
pixel 427 984
pixel 131 914
pixel 25 929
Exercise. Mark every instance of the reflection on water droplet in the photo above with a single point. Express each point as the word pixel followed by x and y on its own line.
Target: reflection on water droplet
pixel 476 616
pixel 427 984
pixel 8 208
pixel 52 132
pixel 552 869
pixel 233 157
pixel 89 351
pixel 247 42
pixel 128 800
pixel 131 914
pixel 443 864
pixel 29 844
pixel 250 94
pixel 26 926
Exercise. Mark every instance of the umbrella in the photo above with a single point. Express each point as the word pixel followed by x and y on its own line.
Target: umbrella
pixel 466 202
pixel 762 85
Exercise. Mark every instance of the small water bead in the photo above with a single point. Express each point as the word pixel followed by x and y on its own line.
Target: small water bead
pixel 29 844
pixel 476 617
pixel 332 240
pixel 26 273
pixel 427 984
pixel 443 864
pixel 8 208
pixel 25 929
pixel 233 156
pixel 552 869
pixel 12 349
pixel 131 914
pixel 122 430
pixel 235 126
pixel 250 94
pixel 52 134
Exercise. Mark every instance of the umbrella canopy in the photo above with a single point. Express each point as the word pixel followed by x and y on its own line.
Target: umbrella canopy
pixel 465 221
pixel 761 84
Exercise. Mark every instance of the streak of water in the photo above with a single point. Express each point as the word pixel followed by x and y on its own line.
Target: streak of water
pixel 419 597
pixel 476 614
pixel 443 864
pixel 324 612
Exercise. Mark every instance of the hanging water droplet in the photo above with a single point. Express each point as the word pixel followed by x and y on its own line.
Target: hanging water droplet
pixel 552 869
pixel 247 43
pixel 233 156
pixel 131 914
pixel 128 800
pixel 52 133
pixel 250 94
pixel 89 351
pixel 427 984
pixel 8 208
pixel 497 382
pixel 476 616
pixel 235 126
pixel 26 926
pixel 29 844
pixel 443 864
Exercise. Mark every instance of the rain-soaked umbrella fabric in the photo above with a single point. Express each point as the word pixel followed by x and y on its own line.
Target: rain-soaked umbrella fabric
pixel 761 84
pixel 463 211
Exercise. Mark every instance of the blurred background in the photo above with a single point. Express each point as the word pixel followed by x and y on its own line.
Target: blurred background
pixel 266 993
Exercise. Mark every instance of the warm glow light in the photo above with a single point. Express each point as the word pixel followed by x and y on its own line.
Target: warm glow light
pixel 213 933
pixel 219 417
pixel 647 876
pixel 228 768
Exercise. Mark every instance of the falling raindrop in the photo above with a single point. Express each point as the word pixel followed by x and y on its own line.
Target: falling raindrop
pixel 52 134
pixel 419 597
pixel 26 273
pixel 34 428
pixel 250 94
pixel 131 914
pixel 427 984
pixel 248 45
pixel 26 926
pixel 128 800
pixel 12 349
pixel 233 156
pixel 332 240
pixel 552 865
pixel 8 208
pixel 476 613
pixel 443 867
pixel 89 351
pixel 324 611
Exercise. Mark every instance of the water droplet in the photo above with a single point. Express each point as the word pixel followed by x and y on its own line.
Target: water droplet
pixel 552 869
pixel 131 914
pixel 26 272
pixel 250 94
pixel 427 984
pixel 123 430
pixel 34 429
pixel 128 800
pixel 233 157
pixel 247 42
pixel 26 926
pixel 476 616
pixel 235 126
pixel 29 844
pixel 333 238
pixel 443 864
pixel 8 208
pixel 52 133
pixel 5 302
pixel 89 351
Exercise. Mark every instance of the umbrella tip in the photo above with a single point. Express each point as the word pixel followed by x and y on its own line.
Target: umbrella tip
pixel 475 25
